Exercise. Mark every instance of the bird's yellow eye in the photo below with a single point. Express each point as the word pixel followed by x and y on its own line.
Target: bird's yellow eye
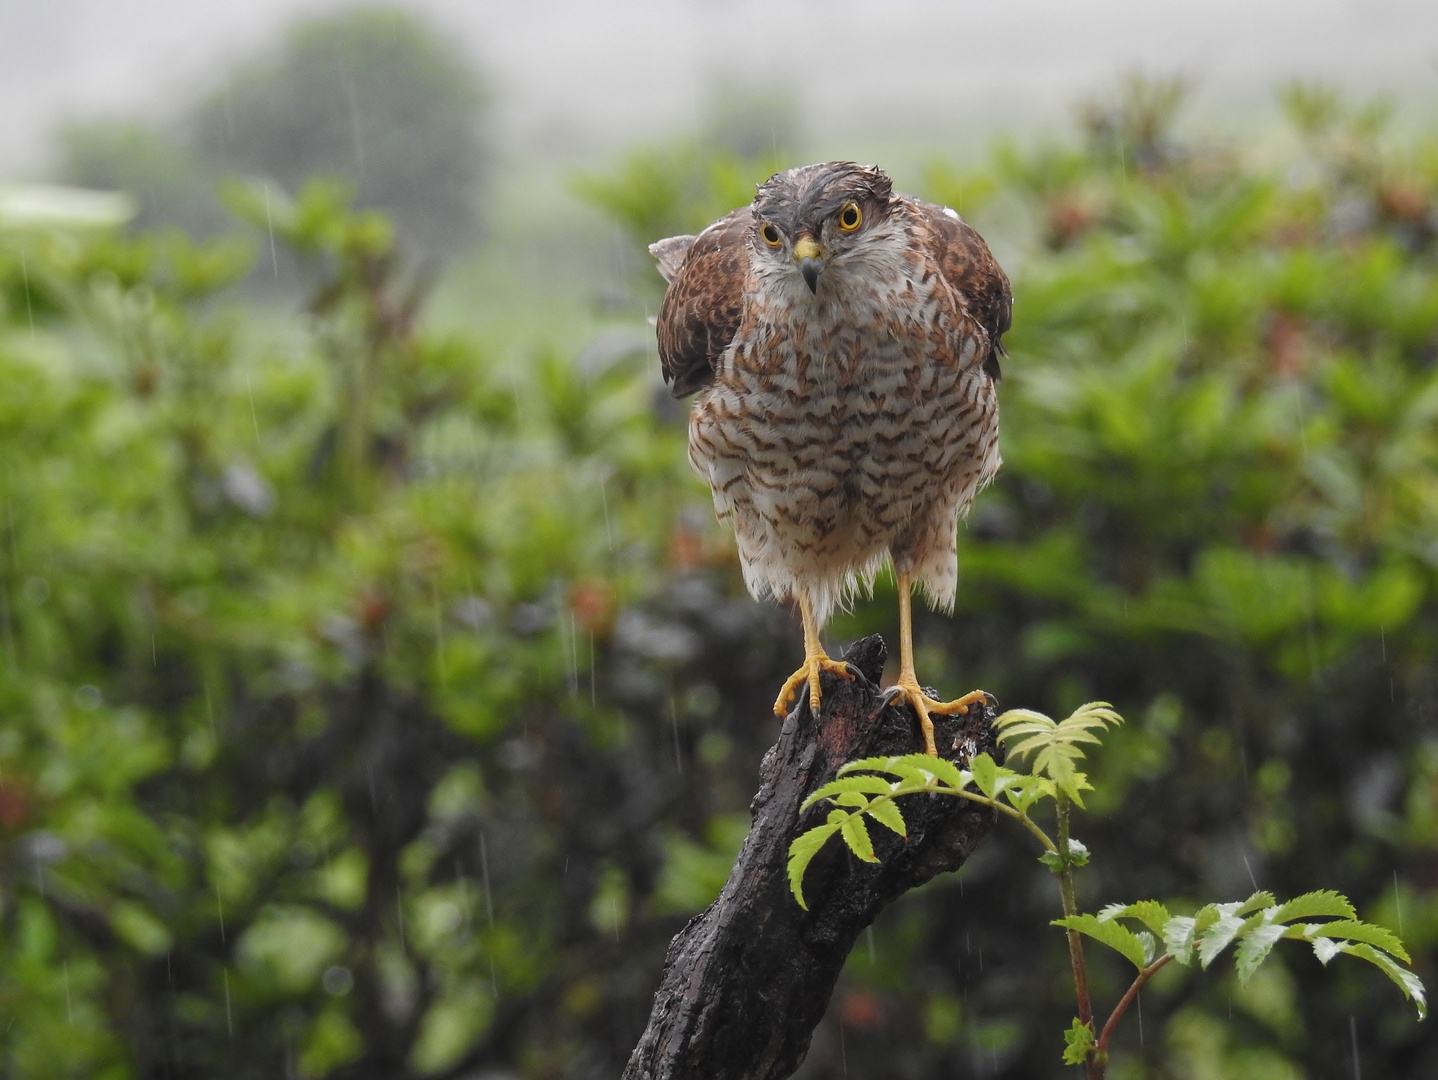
pixel 849 217
pixel 770 235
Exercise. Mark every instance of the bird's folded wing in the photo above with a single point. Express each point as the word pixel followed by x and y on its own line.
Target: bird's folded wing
pixel 704 302
pixel 971 269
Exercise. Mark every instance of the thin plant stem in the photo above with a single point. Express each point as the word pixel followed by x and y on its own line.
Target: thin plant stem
pixel 1101 1047
pixel 1066 890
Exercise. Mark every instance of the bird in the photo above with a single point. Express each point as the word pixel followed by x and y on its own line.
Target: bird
pixel 843 343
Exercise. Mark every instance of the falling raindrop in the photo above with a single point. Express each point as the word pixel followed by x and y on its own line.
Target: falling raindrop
pixel 1398 903
pixel 1353 1035
pixel 1249 868
pixel 229 1016
pixel 399 911
pixel 270 226
pixel 484 869
pixel 254 417
pixel 220 910
pixel 674 724
pixel 1138 1002
pixel 843 1053
pixel 25 284
pixel 869 939
pixel 604 498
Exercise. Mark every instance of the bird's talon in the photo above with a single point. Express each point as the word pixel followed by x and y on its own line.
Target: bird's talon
pixel 809 673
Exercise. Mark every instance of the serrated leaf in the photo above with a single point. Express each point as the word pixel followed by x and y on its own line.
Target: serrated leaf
pixel 1149 912
pixel 1078 854
pixel 1257 902
pixel 886 813
pixel 985 773
pixel 1254 949
pixel 1021 721
pixel 900 767
pixel 865 783
pixel 1053 860
pixel 1326 949
pixel 1150 946
pixel 1408 982
pixel 1115 935
pixel 856 835
pixel 1325 902
pixel 1354 930
pixel 1217 937
pixel 1078 1041
pixel 851 798
pixel 802 852
pixel 1178 938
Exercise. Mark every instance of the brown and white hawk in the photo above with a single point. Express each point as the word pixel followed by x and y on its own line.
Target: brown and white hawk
pixel 844 340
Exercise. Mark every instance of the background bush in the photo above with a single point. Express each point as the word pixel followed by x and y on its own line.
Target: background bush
pixel 374 708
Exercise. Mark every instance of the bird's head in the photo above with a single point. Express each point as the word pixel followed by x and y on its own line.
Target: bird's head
pixel 812 217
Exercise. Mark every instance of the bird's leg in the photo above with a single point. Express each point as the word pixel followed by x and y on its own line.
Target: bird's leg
pixel 815 661
pixel 908 685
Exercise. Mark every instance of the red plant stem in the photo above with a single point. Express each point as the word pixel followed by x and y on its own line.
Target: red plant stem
pixel 1101 1047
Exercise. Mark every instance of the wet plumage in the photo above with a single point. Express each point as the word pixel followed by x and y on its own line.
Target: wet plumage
pixel 844 341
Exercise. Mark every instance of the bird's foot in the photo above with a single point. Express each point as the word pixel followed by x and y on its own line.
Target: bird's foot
pixel 809 673
pixel 908 690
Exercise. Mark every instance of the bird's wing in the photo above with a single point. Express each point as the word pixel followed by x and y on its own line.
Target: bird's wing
pixel 704 302
pixel 970 268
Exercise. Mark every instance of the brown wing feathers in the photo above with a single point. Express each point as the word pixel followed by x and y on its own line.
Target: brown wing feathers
pixel 968 265
pixel 703 304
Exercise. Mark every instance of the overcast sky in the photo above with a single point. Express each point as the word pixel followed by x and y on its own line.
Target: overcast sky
pixel 584 77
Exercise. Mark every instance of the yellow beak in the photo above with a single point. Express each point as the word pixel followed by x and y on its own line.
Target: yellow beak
pixel 805 248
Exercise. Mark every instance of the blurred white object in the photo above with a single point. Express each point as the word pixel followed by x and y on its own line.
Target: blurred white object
pixel 31 206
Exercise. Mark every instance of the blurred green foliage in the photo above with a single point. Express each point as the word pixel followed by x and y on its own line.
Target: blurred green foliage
pixel 373 96
pixel 369 708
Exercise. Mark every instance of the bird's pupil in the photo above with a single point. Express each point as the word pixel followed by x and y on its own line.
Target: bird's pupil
pixel 771 234
pixel 850 216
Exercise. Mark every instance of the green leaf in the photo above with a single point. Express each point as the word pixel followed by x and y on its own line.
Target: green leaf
pixel 1326 949
pixel 1327 902
pixel 802 852
pixel 1115 935
pixel 874 785
pixel 856 835
pixel 851 798
pixel 1217 937
pixel 1354 930
pixel 1150 946
pixel 1178 938
pixel 1254 949
pixel 1408 982
pixel 886 813
pixel 1078 1041
pixel 1149 912
pixel 1257 902
pixel 1053 860
pixel 985 773
pixel 1078 854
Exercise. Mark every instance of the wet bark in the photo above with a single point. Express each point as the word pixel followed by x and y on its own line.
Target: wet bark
pixel 745 982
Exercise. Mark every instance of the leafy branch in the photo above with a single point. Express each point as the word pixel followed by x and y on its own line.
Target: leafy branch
pixel 869 789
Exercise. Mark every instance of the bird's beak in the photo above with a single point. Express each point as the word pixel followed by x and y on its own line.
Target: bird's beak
pixel 811 262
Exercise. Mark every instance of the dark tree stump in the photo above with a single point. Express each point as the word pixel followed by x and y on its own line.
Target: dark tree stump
pixel 746 982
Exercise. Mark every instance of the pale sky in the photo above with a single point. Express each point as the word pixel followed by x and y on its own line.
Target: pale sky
pixel 577 77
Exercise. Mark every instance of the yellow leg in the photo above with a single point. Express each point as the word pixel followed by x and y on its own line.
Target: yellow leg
pixel 815 661
pixel 908 685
